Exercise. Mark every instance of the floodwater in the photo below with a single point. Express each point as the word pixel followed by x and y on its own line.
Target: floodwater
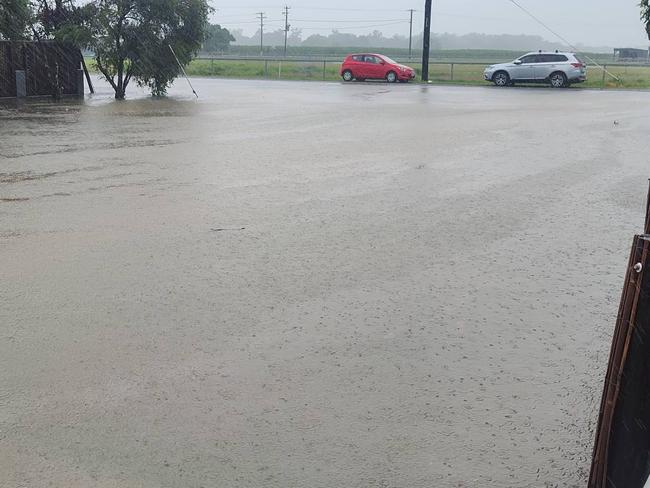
pixel 312 285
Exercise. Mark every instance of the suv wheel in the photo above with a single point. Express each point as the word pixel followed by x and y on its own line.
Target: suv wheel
pixel 558 80
pixel 501 78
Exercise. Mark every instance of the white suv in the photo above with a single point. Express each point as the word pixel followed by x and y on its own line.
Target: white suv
pixel 555 68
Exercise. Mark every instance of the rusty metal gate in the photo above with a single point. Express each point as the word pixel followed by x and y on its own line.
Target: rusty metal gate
pixel 622 449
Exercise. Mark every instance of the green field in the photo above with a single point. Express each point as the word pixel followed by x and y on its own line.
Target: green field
pixel 631 77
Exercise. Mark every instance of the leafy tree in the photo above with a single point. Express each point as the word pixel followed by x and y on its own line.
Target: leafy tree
pixel 217 39
pixel 645 15
pixel 133 40
pixel 15 18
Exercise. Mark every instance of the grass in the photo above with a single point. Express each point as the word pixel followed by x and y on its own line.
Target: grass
pixel 631 77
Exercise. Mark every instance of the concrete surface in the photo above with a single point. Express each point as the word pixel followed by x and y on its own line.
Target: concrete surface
pixel 312 285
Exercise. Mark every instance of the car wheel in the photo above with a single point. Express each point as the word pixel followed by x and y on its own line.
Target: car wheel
pixel 558 80
pixel 501 78
pixel 391 77
pixel 347 75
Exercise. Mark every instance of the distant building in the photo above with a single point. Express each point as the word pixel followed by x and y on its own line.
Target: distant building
pixel 631 54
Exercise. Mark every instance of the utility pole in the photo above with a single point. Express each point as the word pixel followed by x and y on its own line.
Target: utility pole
pixel 286 27
pixel 411 34
pixel 427 40
pixel 262 16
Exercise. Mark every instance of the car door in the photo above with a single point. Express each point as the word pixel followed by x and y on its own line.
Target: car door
pixel 524 71
pixel 373 67
pixel 545 65
pixel 356 65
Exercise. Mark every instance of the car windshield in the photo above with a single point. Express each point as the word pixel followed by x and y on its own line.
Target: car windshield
pixel 388 60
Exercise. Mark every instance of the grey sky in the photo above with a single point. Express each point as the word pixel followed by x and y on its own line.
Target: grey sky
pixel 592 22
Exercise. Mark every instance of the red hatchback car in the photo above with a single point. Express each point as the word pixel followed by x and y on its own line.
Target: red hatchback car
pixel 375 67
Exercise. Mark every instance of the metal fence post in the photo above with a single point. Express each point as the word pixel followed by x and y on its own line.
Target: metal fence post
pixel 324 68
pixel 266 68
pixel 604 75
pixel 212 66
pixel 21 83
pixel 452 71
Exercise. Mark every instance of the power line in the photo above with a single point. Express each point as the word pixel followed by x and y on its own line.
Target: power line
pixel 349 21
pixel 356 26
pixel 231 7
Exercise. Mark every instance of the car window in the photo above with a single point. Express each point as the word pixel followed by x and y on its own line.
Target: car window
pixel 553 58
pixel 357 58
pixel 371 59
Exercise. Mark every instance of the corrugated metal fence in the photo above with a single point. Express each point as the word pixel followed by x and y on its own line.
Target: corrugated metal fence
pixel 50 68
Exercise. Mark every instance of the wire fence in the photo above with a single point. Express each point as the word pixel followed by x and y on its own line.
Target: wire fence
pixel 632 75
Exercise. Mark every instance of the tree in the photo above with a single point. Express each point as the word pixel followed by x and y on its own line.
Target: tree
pixel 217 39
pixel 133 40
pixel 15 18
pixel 645 15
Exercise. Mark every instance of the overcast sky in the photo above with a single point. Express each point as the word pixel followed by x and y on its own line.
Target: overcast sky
pixel 592 22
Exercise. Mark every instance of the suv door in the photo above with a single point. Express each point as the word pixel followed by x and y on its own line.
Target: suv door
pixel 524 71
pixel 548 64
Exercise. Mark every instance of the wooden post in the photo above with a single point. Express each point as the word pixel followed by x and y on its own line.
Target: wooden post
pixel 426 44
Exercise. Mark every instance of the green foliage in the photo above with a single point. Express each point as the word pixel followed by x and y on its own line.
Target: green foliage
pixel 15 18
pixel 217 39
pixel 132 38
pixel 645 15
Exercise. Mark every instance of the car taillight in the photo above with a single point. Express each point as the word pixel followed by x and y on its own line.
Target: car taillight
pixel 577 65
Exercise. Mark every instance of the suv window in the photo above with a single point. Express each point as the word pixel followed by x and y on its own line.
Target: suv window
pixel 529 59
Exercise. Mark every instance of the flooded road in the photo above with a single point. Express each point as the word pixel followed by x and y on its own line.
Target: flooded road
pixel 312 285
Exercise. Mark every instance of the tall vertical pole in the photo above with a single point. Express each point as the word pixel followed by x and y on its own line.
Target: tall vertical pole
pixel 261 15
pixel 286 28
pixel 411 34
pixel 427 40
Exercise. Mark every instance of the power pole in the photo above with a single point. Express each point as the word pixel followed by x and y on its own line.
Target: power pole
pixel 411 34
pixel 262 16
pixel 427 41
pixel 286 27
